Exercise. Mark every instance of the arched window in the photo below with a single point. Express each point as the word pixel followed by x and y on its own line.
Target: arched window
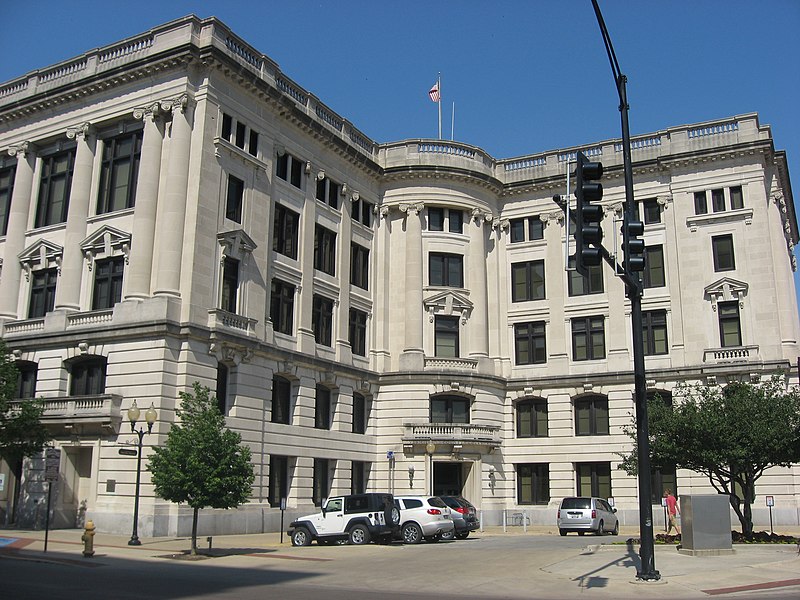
pixel 449 409
pixel 88 376
pixel 26 380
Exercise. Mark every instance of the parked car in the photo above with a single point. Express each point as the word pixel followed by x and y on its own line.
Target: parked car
pixel 423 517
pixel 465 517
pixel 358 519
pixel 584 514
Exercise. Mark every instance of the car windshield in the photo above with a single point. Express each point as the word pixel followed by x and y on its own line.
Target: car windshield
pixel 576 503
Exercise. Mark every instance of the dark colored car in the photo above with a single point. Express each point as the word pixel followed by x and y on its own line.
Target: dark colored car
pixel 465 517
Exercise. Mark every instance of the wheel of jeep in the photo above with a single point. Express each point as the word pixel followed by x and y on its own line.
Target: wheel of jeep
pixel 563 532
pixel 301 537
pixel 599 529
pixel 412 534
pixel 615 531
pixel 359 535
pixel 463 535
pixel 448 535
pixel 393 517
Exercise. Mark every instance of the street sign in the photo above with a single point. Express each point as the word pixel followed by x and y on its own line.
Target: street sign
pixel 770 500
pixel 127 451
pixel 52 461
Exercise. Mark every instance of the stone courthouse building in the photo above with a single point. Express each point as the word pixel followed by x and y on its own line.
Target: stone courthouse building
pixel 371 316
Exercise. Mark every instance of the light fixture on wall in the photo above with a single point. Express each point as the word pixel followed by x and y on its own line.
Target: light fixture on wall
pixel 411 476
pixel 320 175
pixel 492 477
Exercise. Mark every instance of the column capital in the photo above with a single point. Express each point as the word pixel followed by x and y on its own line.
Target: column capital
pixel 178 103
pixel 19 150
pixel 150 111
pixel 82 130
pixel 411 208
pixel 481 216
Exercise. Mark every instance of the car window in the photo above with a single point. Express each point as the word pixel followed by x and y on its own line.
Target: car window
pixel 412 503
pixel 356 504
pixel 334 505
pixel 581 503
pixel 450 501
pixel 437 502
pixel 605 506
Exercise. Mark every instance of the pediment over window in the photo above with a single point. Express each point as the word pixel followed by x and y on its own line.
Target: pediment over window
pixel 726 290
pixel 448 303
pixel 106 241
pixel 236 244
pixel 42 254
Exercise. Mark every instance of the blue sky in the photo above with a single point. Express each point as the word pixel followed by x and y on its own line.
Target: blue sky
pixel 525 76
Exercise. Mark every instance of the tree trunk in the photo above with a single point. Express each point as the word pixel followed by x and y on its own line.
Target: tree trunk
pixel 16 471
pixel 194 531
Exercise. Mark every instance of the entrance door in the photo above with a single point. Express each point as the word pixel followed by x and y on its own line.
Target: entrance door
pixel 448 478
pixel 76 488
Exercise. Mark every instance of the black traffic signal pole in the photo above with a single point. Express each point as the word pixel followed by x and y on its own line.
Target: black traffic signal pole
pixel 633 288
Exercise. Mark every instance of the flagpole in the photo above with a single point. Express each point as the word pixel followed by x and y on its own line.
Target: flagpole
pixel 439 84
pixel 453 122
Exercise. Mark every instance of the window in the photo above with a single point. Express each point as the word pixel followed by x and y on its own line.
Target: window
pixel 233 202
pixel 594 479
pixel 435 219
pixel 321 481
pixel 358 477
pixel 652 211
pixel 653 274
pixel 588 338
pixel 664 395
pixel 359 413
pixel 722 247
pixel 718 200
pixel 290 168
pixel 322 319
pixel 737 202
pixel 119 172
pixel 527 281
pixel 252 148
pixel 222 388
pixel 529 343
pixel 591 415
pixel 325 250
pixel 322 408
pixel 358 332
pixel 361 212
pixel 440 219
pixel 700 203
pixel 278 479
pixel 227 127
pixel 446 269
pixel 241 136
pixel 533 483
pixel 449 409
pixel 54 188
pixel 230 285
pixel 446 337
pixel 359 266
pixel 580 285
pixel 107 282
pixel 654 328
pixel 43 292
pixel 241 131
pixel 730 329
pixel 88 377
pixel 532 418
pixel 328 192
pixel 285 234
pixel 26 379
pixel 527 228
pixel 281 307
pixel 281 399
pixel 6 192
pixel 662 478
pixel 456 221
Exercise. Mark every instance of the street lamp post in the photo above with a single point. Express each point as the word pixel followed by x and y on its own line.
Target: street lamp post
pixel 430 448
pixel 150 418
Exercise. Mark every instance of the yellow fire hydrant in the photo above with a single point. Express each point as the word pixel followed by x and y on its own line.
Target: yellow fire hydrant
pixel 88 539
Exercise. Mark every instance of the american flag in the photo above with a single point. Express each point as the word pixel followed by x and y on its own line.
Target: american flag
pixel 434 93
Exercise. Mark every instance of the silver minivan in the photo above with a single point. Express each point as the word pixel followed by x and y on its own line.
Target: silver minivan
pixel 584 514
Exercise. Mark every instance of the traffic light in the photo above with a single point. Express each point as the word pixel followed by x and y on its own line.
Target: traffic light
pixel 633 244
pixel 588 231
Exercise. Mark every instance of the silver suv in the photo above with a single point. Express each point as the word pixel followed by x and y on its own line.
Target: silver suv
pixel 423 517
pixel 584 514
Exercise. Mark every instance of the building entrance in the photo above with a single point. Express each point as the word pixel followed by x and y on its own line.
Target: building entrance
pixel 448 478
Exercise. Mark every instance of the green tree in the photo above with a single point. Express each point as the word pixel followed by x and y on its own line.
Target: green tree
pixel 730 434
pixel 22 433
pixel 202 463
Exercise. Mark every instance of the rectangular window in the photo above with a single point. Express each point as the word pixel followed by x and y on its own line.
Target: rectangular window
pixel 359 413
pixel 54 187
pixel 252 147
pixel 449 409
pixel 290 168
pixel 446 269
pixel 328 192
pixel 322 478
pixel 722 248
pixel 654 328
pixel 700 203
pixel 278 479
pixel 455 221
pixel 6 192
pixel 241 130
pixel 281 308
pixel 588 338
pixel 653 275
pixel 107 282
pixel 234 199
pixel 230 285
pixel 591 415
pixel 358 332
pixel 652 211
pixel 222 388
pixel 527 229
pixel 43 292
pixel 285 234
pixel 322 408
pixel 737 199
pixel 358 477
pixel 26 379
pixel 322 319
pixel 227 127
pixel 730 329
pixel 281 400
pixel 579 285
pixel 88 377
pixel 435 219
pixel 324 250
pixel 119 172
pixel 359 266
pixel 361 211
pixel 533 483
pixel 529 343
pixel 446 337
pixel 718 200
pixel 532 418
pixel 661 479
pixel 594 479
pixel 527 281
pixel 517 230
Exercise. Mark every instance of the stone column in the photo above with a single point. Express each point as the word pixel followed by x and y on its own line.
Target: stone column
pixel 17 225
pixel 171 219
pixel 413 353
pixel 68 291
pixel 477 282
pixel 140 268
pixel 342 317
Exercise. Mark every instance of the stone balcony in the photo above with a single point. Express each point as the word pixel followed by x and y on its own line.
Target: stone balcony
pixel 730 354
pixel 456 436
pixel 81 414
